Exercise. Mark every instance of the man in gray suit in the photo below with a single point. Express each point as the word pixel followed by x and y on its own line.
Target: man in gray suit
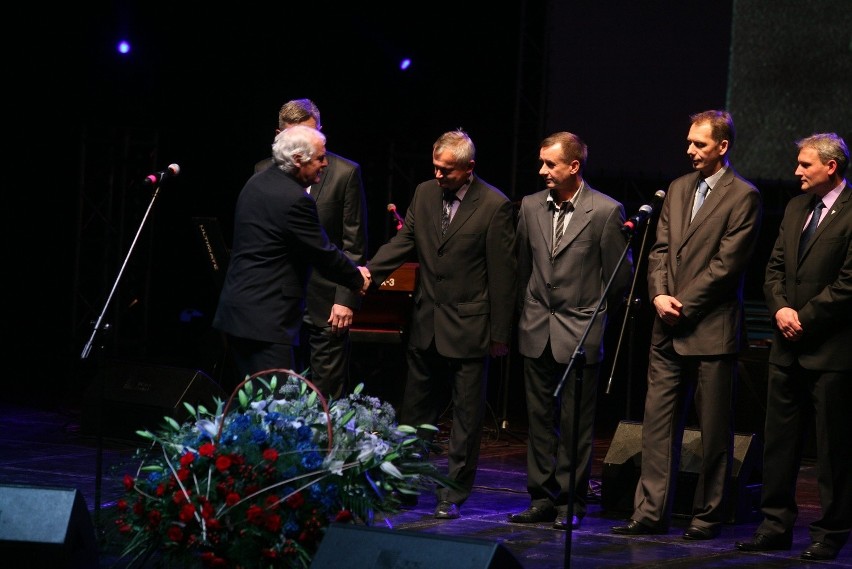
pixel 706 236
pixel 570 242
pixel 808 291
pixel 463 305
pixel 324 344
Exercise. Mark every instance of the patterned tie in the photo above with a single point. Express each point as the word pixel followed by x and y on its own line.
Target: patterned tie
pixel 811 228
pixel 703 188
pixel 559 227
pixel 449 198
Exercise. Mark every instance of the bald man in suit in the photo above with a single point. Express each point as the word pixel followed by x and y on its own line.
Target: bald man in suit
pixel 706 236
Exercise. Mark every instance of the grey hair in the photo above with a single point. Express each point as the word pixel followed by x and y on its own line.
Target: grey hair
pixel 828 146
pixel 459 144
pixel 295 144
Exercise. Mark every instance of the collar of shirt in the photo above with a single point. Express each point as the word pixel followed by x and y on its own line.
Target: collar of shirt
pixel 551 202
pixel 460 193
pixel 831 197
pixel 714 179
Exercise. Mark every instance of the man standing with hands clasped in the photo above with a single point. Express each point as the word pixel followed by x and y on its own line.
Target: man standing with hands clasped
pixel 706 235
pixel 808 291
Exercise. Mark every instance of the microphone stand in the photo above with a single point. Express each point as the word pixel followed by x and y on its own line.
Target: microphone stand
pixel 632 302
pixel 579 358
pixel 87 350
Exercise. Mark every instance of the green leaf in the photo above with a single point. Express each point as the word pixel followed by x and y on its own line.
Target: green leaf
pixel 172 423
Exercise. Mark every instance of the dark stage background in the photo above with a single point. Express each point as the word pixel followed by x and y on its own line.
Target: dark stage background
pixel 203 86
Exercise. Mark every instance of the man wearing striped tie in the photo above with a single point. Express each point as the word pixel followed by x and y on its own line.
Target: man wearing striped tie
pixel 569 244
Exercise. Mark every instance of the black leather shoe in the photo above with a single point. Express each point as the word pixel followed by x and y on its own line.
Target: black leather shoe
pixel 819 551
pixel 764 542
pixel 533 515
pixel 698 532
pixel 634 527
pixel 446 510
pixel 562 523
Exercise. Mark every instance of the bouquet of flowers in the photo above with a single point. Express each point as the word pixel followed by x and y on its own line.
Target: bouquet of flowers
pixel 257 484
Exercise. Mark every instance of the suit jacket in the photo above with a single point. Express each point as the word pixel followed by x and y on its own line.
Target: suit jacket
pixel 466 285
pixel 277 241
pixel 819 287
pixel 342 208
pixel 703 263
pixel 558 298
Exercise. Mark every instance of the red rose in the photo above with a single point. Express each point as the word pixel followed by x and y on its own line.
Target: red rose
pixel 272 502
pixel 343 516
pixel 273 522
pixel 187 512
pixel 175 534
pixel 128 482
pixel 254 515
pixel 223 463
pixel 270 455
pixel 187 459
pixel 232 498
pixel 207 450
pixel 295 501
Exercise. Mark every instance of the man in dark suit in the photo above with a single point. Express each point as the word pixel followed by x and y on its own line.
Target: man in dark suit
pixel 706 235
pixel 342 208
pixel 463 305
pixel 808 291
pixel 278 240
pixel 560 287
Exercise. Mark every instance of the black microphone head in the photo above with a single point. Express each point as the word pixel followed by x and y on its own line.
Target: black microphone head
pixel 646 209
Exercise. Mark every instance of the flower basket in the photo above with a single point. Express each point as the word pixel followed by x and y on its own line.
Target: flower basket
pixel 255 483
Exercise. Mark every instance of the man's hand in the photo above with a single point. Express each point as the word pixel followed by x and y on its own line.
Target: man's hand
pixel 340 319
pixel 788 323
pixel 668 308
pixel 365 272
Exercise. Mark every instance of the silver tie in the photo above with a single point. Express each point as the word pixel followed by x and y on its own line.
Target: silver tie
pixel 703 188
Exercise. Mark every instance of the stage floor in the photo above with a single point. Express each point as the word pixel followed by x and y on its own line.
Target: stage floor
pixel 43 446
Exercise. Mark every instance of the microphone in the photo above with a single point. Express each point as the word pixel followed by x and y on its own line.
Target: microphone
pixel 157 177
pixel 643 214
pixel 399 220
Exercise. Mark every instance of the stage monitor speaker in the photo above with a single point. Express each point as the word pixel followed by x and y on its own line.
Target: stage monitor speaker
pixel 46 527
pixel 623 461
pixel 130 396
pixel 368 547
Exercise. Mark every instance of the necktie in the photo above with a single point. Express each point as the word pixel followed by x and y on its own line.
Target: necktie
pixel 449 198
pixel 811 228
pixel 559 225
pixel 700 194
